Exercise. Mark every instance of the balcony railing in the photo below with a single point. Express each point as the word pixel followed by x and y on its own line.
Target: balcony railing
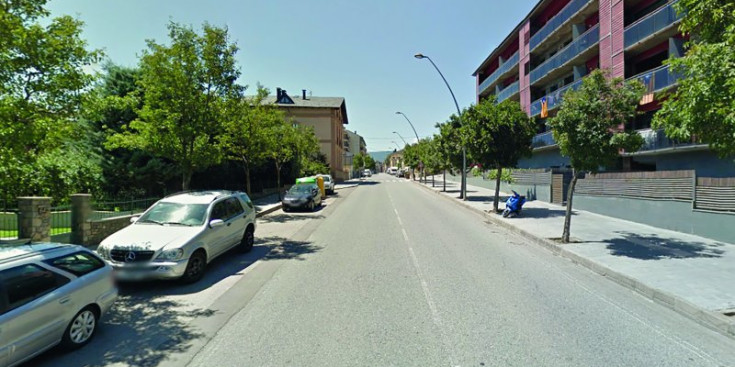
pixel 507 65
pixel 650 24
pixel 553 100
pixel 572 50
pixel 657 139
pixel 543 140
pixel 509 91
pixel 657 79
pixel 557 21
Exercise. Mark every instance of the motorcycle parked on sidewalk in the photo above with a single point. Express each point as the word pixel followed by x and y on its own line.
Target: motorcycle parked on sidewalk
pixel 513 205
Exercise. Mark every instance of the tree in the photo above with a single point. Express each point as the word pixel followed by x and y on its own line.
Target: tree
pixel 114 104
pixel 358 160
pixel 310 160
pixel 498 135
pixel 587 127
pixel 451 139
pixel 245 137
pixel 369 162
pixel 702 105
pixel 42 89
pixel 186 87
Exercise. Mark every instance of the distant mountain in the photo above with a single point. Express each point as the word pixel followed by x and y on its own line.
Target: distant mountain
pixel 380 156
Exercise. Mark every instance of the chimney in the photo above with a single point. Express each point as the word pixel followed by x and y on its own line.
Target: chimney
pixel 303 94
pixel 278 94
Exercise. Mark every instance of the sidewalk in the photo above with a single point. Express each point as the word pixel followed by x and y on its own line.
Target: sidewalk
pixel 685 272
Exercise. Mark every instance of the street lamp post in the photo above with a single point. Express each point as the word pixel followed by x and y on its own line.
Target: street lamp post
pixel 399 135
pixel 417 139
pixel 463 191
pixel 394 142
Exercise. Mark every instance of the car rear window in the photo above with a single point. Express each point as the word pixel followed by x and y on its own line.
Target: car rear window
pixel 79 263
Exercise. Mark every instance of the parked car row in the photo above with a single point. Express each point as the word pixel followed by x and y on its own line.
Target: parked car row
pixel 306 194
pixel 54 294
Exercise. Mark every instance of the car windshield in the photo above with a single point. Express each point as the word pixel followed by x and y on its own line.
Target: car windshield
pixel 300 189
pixel 175 213
pixel 326 178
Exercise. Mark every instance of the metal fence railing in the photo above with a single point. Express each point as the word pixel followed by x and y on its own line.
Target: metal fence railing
pixel 557 21
pixel 572 50
pixel 652 23
pixel 508 92
pixel 501 70
pixel 8 224
pixel 110 209
pixel 60 219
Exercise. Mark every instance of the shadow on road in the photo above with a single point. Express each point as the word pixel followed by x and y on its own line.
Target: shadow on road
pixel 288 217
pixel 653 247
pixel 144 327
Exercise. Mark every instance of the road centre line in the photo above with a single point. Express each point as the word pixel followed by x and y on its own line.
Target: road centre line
pixel 425 287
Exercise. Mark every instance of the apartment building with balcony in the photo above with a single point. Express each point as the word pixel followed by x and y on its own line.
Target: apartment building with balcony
pixel 561 41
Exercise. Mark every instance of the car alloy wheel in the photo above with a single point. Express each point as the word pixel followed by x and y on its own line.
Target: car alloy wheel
pixel 195 267
pixel 248 240
pixel 80 329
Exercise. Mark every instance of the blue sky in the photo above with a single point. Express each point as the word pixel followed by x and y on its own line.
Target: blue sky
pixel 360 50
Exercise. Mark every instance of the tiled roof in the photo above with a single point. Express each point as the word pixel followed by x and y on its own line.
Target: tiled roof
pixel 314 102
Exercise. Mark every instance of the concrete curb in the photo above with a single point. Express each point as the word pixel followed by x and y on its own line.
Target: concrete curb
pixel 706 318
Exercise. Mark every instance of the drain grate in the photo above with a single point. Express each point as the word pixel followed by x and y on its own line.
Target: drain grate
pixel 729 313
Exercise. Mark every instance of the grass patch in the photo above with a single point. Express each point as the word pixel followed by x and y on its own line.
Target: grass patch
pixel 13 233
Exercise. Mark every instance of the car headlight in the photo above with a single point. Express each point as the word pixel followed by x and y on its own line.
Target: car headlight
pixel 172 254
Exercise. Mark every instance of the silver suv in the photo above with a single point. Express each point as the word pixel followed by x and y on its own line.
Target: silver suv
pixel 180 234
pixel 50 294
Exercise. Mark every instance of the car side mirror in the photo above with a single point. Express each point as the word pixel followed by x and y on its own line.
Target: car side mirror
pixel 133 219
pixel 214 223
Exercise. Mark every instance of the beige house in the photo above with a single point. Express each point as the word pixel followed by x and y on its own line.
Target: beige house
pixel 354 144
pixel 395 159
pixel 326 115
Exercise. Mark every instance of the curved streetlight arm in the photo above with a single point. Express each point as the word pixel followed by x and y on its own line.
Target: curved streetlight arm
pixel 399 135
pixel 459 114
pixel 463 189
pixel 409 122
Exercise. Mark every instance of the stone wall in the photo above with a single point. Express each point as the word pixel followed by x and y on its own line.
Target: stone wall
pixel 100 229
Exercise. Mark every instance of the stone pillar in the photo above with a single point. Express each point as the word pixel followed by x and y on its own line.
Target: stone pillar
pixel 81 209
pixel 676 47
pixel 34 218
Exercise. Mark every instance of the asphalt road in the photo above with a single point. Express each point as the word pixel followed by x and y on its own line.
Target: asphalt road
pixel 165 322
pixel 395 275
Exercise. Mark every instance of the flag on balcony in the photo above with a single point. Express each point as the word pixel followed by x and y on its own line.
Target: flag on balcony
pixel 648 81
pixel 544 108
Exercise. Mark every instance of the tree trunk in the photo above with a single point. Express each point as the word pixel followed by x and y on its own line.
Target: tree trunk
pixel 186 178
pixel 461 184
pixel 278 180
pixel 497 188
pixel 568 216
pixel 247 180
pixel 433 177
pixel 444 178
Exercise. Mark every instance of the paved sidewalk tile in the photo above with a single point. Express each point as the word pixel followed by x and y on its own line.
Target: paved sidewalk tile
pixel 696 269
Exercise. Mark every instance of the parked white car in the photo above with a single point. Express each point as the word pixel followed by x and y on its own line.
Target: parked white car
pixel 50 294
pixel 179 235
pixel 328 183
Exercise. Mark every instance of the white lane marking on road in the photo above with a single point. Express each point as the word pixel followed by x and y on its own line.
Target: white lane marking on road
pixel 427 293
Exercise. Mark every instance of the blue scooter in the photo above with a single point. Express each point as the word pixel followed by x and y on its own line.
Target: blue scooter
pixel 513 205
